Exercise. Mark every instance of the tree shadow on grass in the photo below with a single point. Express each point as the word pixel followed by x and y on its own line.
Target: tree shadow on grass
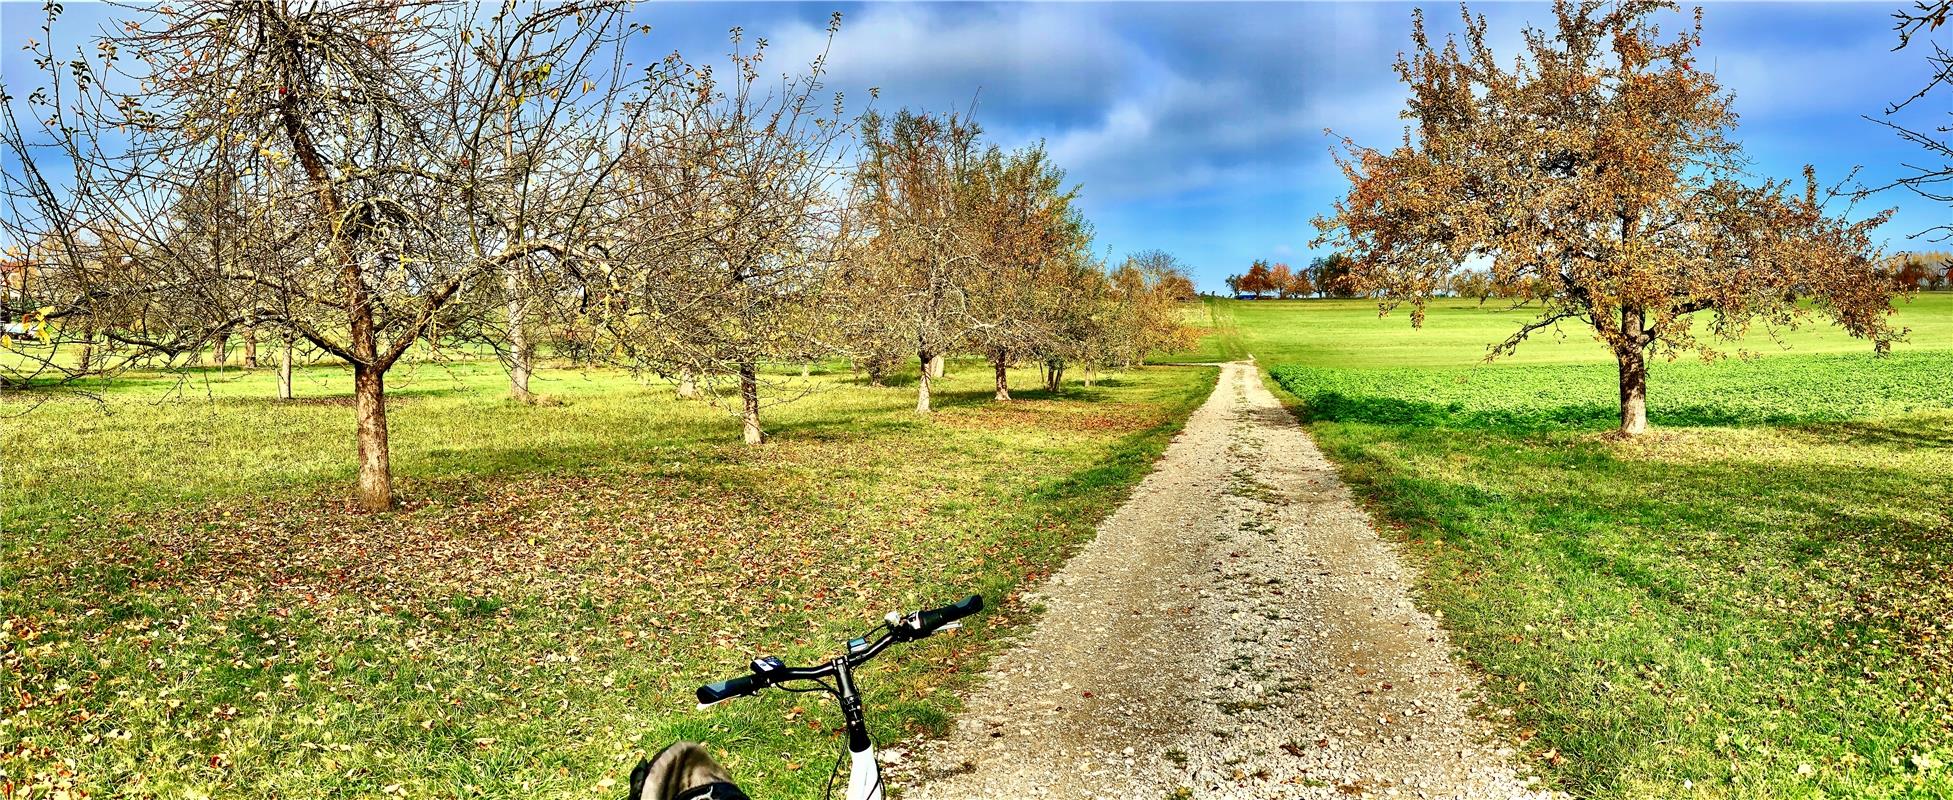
pixel 1576 492
pixel 832 428
pixel 967 395
pixel 493 461
pixel 339 399
pixel 1333 406
pixel 1072 393
pixel 1132 456
pixel 1690 542
pixel 965 400
pixel 1912 433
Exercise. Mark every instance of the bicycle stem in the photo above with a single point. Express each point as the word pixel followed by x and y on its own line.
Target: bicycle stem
pixel 851 706
pixel 864 773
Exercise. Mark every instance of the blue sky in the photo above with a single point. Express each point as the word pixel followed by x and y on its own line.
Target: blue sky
pixel 1198 127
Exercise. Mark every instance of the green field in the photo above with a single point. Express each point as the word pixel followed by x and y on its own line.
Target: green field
pixel 190 608
pixel 1349 333
pixel 1755 600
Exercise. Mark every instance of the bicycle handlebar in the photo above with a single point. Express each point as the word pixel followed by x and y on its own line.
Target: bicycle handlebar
pixel 730 688
pixel 917 625
pixel 923 623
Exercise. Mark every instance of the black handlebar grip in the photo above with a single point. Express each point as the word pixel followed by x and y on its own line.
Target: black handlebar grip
pixel 928 621
pixel 730 688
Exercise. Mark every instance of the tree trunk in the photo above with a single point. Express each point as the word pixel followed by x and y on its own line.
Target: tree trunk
pixel 687 384
pixel 219 349
pixel 87 356
pixel 375 476
pixel 923 360
pixel 1630 350
pixel 877 372
pixel 369 372
pixel 250 349
pixel 285 368
pixel 806 369
pixel 519 375
pixel 936 366
pixel 520 352
pixel 749 399
pixel 1054 375
pixel 1003 376
pixel 1634 391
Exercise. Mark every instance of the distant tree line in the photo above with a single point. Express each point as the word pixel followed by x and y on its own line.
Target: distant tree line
pixel 1325 276
pixel 366 181
pixel 1484 285
pixel 1929 270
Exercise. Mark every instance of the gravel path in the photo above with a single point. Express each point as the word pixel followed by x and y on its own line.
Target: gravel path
pixel 1237 629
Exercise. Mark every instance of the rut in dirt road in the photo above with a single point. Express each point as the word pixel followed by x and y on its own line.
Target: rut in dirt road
pixel 1237 629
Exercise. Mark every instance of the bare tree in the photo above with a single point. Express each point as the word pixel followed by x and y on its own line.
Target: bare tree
pixel 380 123
pixel 872 329
pixel 919 262
pixel 1933 182
pixel 1146 292
pixel 1077 320
pixel 1028 234
pixel 725 252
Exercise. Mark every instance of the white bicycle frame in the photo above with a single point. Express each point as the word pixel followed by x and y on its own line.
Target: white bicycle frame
pixel 864 775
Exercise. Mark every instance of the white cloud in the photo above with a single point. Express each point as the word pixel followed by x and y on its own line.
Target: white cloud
pixel 1772 81
pixel 1240 97
pixel 1052 62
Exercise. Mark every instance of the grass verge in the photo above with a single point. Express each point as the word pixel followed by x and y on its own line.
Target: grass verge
pixel 1756 600
pixel 190 608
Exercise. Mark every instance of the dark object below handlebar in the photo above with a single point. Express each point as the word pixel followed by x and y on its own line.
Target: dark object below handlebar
pixel 682 770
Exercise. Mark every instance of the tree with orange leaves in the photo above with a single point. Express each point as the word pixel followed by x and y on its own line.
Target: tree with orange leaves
pixel 1259 280
pixel 1598 170
pixel 1279 278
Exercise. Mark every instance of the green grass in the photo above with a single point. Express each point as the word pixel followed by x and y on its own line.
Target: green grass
pixel 1755 600
pixel 191 607
pixel 1348 333
pixel 1787 389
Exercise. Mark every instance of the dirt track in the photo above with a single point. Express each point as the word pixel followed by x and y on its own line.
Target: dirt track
pixel 1237 629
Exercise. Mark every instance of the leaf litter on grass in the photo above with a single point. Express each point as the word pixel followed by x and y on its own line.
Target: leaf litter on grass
pixel 521 635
